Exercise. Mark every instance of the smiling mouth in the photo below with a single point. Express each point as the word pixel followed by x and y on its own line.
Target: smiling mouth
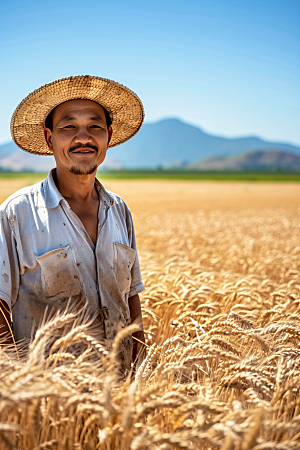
pixel 84 152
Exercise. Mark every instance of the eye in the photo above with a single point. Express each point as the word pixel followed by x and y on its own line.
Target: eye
pixel 69 126
pixel 95 126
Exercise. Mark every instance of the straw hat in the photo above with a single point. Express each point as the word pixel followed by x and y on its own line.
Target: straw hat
pixel 124 107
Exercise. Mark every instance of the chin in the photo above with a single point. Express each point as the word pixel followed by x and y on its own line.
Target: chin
pixel 77 170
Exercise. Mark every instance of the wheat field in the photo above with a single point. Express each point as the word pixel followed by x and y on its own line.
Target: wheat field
pixel 221 312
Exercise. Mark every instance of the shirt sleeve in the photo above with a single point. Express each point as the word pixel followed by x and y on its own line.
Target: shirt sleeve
pixel 137 284
pixel 9 265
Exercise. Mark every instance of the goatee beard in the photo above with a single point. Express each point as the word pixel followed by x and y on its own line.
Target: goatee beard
pixel 78 171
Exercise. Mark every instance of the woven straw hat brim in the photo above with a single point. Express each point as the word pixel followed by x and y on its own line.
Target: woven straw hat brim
pixel 124 107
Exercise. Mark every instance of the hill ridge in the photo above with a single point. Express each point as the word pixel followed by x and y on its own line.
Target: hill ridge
pixel 163 144
pixel 252 160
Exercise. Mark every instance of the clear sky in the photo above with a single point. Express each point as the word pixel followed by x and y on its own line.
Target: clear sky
pixel 230 66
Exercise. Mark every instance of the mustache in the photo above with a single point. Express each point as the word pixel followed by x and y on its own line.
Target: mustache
pixel 85 146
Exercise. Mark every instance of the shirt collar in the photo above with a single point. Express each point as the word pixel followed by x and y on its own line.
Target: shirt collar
pixel 103 194
pixel 53 197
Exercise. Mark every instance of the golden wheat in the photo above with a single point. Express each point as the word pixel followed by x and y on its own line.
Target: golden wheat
pixel 221 314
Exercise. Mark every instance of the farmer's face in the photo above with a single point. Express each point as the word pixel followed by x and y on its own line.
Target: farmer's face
pixel 79 138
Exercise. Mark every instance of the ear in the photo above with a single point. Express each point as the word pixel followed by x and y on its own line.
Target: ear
pixel 48 138
pixel 109 134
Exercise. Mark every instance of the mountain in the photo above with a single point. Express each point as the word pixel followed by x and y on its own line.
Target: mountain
pixel 172 141
pixel 256 160
pixel 13 158
pixel 166 143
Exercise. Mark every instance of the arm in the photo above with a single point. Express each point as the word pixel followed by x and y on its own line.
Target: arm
pixel 5 324
pixel 136 315
pixel 9 277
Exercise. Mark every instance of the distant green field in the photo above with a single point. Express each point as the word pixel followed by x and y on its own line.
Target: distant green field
pixel 174 175
pixel 198 176
pixel 23 175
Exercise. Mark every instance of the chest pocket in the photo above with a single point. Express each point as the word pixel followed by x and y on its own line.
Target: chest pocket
pixel 124 258
pixel 59 273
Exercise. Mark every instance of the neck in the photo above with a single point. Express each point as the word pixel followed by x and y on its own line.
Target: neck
pixel 80 188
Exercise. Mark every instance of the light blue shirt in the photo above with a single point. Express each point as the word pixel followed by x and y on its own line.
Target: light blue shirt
pixel 47 257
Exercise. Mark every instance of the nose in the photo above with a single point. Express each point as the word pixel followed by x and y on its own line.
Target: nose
pixel 83 136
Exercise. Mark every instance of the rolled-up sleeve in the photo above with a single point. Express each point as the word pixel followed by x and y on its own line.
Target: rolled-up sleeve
pixel 9 265
pixel 137 285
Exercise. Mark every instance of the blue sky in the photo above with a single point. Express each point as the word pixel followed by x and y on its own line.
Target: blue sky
pixel 231 67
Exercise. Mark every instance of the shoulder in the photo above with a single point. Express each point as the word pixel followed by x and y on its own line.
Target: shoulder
pixel 117 200
pixel 113 199
pixel 21 199
pixel 119 208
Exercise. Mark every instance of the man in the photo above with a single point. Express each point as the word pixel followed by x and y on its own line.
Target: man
pixel 67 239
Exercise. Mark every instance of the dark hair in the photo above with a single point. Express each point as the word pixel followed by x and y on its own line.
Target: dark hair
pixel 49 119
